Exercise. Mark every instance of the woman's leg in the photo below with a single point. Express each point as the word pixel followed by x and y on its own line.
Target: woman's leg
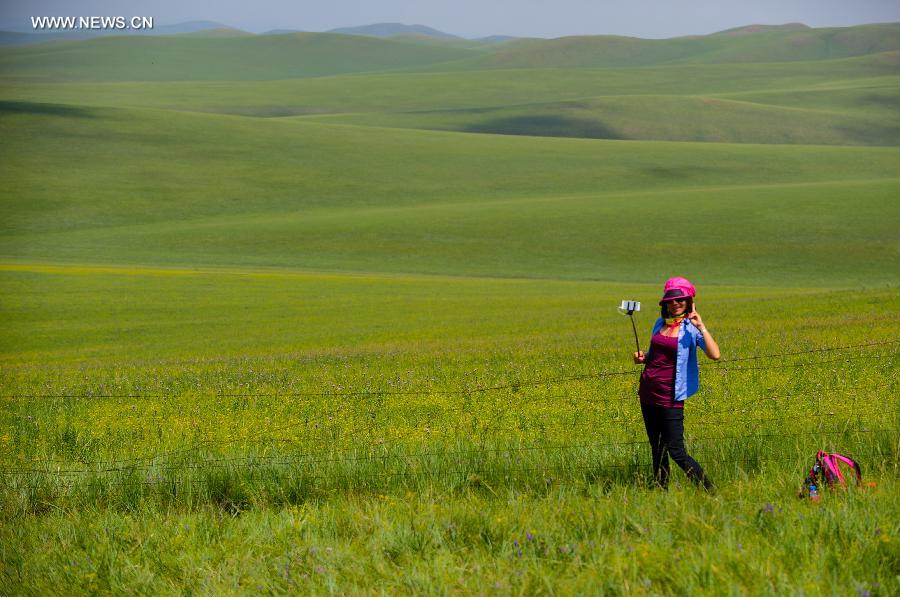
pixel 673 432
pixel 653 423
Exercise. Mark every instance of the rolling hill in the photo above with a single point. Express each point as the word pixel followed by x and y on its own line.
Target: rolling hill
pixel 670 118
pixel 850 101
pixel 188 167
pixel 393 29
pixel 780 45
pixel 204 56
pixel 150 186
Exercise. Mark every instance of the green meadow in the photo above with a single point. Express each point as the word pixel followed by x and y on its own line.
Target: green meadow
pixel 331 314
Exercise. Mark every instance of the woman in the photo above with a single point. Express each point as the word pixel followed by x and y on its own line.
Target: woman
pixel 670 376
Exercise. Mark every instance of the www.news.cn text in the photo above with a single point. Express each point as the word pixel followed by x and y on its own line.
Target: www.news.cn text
pixel 91 23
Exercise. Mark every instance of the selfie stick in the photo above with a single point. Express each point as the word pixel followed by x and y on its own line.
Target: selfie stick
pixel 628 308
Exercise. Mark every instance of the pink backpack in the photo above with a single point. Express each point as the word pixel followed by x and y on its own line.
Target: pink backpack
pixel 826 472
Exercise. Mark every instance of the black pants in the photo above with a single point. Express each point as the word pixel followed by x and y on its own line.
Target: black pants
pixel 665 430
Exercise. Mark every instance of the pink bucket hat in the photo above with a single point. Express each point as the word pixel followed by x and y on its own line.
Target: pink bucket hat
pixel 677 288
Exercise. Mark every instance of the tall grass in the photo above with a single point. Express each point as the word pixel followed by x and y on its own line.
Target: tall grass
pixel 503 411
pixel 496 476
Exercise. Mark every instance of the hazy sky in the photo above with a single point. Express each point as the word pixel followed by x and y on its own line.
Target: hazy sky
pixel 476 18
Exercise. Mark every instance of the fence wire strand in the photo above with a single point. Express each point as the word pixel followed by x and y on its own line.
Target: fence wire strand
pixel 154 463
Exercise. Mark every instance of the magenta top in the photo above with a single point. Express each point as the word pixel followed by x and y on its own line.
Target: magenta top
pixel 657 385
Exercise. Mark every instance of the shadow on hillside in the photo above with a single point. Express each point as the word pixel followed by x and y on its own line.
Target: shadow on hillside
pixel 10 107
pixel 885 135
pixel 881 100
pixel 546 126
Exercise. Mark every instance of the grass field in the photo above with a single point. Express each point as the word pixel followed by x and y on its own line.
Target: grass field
pixel 348 352
pixel 244 191
pixel 406 433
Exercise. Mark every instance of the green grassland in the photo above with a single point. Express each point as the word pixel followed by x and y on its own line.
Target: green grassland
pixel 315 432
pixel 244 191
pixel 344 350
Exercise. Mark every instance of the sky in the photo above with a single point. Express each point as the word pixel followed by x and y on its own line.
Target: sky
pixel 476 18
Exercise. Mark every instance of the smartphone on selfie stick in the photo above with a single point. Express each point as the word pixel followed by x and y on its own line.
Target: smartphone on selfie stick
pixel 630 308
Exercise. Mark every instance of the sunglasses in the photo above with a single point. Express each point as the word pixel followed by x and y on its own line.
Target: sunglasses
pixel 677 300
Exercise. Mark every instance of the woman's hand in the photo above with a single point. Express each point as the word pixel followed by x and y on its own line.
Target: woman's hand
pixel 712 349
pixel 695 318
pixel 639 357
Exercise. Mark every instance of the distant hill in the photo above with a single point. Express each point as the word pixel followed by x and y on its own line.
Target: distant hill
pixel 749 29
pixel 496 39
pixel 217 32
pixel 219 56
pixel 18 38
pixel 224 53
pixel 188 27
pixel 777 44
pixel 11 39
pixel 281 31
pixel 393 29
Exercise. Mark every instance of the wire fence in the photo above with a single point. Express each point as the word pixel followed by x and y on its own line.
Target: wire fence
pixel 721 366
pixel 166 462
pixel 475 471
